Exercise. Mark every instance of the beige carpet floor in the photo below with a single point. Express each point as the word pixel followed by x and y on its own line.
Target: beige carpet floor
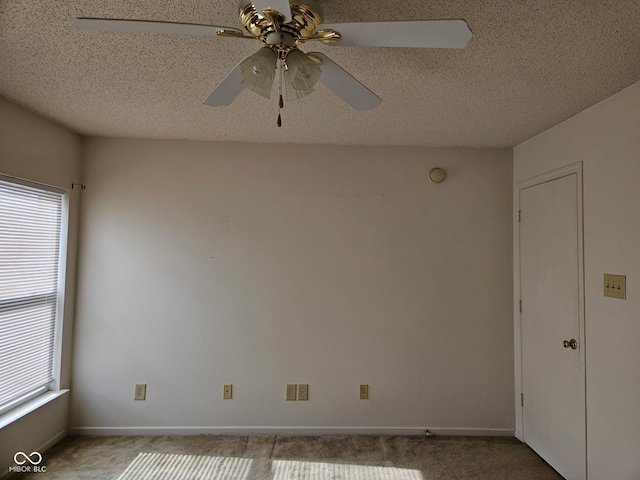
pixel 344 457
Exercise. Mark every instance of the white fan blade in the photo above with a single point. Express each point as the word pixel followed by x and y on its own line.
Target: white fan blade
pixel 146 26
pixel 416 34
pixel 281 6
pixel 227 90
pixel 345 86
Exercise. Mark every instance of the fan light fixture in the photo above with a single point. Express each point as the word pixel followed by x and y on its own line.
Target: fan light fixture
pixel 298 73
pixel 299 77
pixel 259 70
pixel 284 25
pixel 301 74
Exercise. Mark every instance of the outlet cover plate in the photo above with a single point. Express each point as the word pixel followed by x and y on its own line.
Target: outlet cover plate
pixel 292 391
pixel 140 392
pixel 303 391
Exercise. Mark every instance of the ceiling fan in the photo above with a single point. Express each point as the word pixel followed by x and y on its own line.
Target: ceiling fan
pixel 282 26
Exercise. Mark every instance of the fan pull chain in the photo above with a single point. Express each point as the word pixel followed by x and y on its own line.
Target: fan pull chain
pixel 280 99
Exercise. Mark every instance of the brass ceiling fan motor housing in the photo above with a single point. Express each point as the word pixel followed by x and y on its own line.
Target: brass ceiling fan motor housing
pixel 305 20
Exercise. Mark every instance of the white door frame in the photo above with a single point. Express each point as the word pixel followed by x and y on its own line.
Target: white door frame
pixel 576 169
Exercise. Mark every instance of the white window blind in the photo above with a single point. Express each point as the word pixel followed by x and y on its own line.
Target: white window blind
pixel 30 228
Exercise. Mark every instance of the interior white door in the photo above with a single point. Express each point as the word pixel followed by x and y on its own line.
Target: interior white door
pixel 553 415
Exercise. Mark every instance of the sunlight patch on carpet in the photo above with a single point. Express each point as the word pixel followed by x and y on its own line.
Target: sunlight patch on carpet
pixel 296 470
pixel 164 466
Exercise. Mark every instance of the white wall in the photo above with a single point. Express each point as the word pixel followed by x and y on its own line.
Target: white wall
pixel 606 138
pixel 262 265
pixel 36 149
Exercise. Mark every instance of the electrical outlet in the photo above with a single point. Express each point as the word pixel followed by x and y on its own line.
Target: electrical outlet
pixel 364 392
pixel 615 286
pixel 303 391
pixel 292 391
pixel 227 392
pixel 141 391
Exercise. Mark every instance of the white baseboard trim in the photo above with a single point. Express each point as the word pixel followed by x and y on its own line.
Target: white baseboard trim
pixel 52 441
pixel 488 432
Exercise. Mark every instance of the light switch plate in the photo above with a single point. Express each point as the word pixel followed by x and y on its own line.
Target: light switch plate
pixel 227 392
pixel 364 392
pixel 615 286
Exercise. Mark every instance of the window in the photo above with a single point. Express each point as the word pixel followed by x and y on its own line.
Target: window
pixel 31 222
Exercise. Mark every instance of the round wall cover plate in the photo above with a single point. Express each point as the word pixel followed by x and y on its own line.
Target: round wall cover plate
pixel 436 175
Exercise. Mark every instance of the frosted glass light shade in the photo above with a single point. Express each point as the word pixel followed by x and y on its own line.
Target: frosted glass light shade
pixel 301 75
pixel 259 70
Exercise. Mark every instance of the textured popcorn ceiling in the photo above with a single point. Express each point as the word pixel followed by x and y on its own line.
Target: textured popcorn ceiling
pixel 530 65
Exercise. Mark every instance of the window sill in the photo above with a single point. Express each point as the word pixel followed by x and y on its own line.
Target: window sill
pixel 30 406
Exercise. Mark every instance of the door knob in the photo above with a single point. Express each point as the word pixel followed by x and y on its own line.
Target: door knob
pixel 570 343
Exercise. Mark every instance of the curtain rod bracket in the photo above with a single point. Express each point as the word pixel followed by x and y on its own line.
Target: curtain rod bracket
pixel 74 185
